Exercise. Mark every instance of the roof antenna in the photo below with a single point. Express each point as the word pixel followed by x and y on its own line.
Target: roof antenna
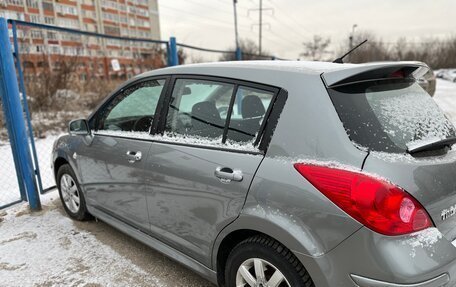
pixel 341 59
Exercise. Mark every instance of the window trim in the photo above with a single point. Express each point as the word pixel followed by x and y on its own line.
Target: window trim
pixel 261 142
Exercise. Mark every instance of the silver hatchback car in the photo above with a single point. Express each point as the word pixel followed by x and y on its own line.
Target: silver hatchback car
pixel 274 173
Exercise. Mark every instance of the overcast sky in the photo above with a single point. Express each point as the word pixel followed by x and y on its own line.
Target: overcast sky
pixel 209 23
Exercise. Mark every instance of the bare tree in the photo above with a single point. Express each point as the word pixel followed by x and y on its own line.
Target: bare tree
pixel 316 49
pixel 249 50
pixel 374 50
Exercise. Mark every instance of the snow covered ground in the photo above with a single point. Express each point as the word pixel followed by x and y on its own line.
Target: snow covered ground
pixel 445 96
pixel 49 249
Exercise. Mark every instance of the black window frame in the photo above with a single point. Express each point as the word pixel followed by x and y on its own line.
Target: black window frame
pixel 95 117
pixel 266 129
pixel 265 134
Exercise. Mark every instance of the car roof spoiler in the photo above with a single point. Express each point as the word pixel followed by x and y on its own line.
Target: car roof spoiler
pixel 374 71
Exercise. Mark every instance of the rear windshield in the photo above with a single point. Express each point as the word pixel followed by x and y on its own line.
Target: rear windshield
pixel 387 115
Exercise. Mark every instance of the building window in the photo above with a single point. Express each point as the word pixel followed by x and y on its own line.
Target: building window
pixel 49 20
pixel 110 30
pixel 111 17
pixel 48 6
pixel 15 2
pixel 32 3
pixel 52 35
pixel 89 14
pixel 69 23
pixel 66 10
pixel 36 34
pixel 35 18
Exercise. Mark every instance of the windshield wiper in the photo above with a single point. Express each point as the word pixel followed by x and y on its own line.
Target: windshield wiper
pixel 430 144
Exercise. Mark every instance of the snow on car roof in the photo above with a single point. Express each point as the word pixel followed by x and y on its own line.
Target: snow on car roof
pixel 306 67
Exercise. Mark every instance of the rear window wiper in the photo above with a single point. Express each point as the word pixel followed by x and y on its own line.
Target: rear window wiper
pixel 430 144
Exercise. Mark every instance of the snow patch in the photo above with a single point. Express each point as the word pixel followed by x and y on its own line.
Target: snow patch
pixel 407 158
pixel 424 239
pixel 183 139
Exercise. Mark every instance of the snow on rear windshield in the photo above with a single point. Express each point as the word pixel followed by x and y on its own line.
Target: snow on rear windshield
pixel 385 116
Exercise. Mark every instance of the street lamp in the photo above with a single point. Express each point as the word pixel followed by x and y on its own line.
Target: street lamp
pixel 352 36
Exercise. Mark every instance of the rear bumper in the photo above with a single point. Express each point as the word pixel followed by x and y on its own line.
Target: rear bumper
pixel 439 281
pixel 368 259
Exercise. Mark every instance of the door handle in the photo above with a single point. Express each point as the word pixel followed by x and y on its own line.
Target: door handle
pixel 226 174
pixel 134 156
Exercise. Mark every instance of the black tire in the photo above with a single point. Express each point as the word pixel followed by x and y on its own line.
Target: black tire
pixel 81 214
pixel 270 250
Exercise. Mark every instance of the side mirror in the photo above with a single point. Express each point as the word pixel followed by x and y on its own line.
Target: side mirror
pixel 79 127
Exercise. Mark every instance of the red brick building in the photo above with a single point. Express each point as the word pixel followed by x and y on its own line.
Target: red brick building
pixel 41 48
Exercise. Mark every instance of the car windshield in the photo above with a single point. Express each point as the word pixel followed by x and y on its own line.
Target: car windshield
pixel 388 115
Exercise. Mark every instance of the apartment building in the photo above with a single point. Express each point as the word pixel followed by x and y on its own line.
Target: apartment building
pixel 124 18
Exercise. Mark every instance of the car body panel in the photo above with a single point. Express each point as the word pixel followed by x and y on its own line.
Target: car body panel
pixel 395 259
pixel 429 179
pixel 110 181
pixel 188 205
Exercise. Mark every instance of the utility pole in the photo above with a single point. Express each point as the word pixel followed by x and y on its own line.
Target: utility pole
pixel 261 26
pixel 236 24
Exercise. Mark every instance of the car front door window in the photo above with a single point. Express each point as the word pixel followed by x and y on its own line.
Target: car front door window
pixel 133 109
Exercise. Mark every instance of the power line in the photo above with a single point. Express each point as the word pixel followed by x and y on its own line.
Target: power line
pixel 202 21
pixel 201 16
pixel 291 18
pixel 212 7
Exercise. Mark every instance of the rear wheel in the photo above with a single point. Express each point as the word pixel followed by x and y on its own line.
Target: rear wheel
pixel 70 194
pixel 261 261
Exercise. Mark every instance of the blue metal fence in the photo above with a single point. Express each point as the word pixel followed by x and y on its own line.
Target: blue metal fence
pixel 13 112
pixel 16 100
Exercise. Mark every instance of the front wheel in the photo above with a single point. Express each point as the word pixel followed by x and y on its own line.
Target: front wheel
pixel 70 194
pixel 262 261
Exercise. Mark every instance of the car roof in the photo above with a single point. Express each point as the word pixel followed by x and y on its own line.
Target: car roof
pixel 305 67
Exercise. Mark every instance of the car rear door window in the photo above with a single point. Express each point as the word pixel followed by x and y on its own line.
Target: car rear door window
pixel 248 113
pixel 133 109
pixel 198 109
pixel 217 113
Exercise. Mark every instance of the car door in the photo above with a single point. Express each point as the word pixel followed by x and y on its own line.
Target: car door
pixel 199 171
pixel 112 164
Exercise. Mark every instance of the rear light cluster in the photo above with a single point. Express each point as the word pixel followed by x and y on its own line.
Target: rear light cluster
pixel 375 203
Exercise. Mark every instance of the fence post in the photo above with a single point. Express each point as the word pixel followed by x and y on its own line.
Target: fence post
pixel 238 54
pixel 9 94
pixel 25 105
pixel 173 57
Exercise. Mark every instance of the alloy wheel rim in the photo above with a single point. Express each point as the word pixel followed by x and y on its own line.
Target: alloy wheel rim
pixel 256 272
pixel 70 193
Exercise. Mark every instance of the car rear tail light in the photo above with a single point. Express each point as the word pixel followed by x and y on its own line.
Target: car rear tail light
pixel 375 203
